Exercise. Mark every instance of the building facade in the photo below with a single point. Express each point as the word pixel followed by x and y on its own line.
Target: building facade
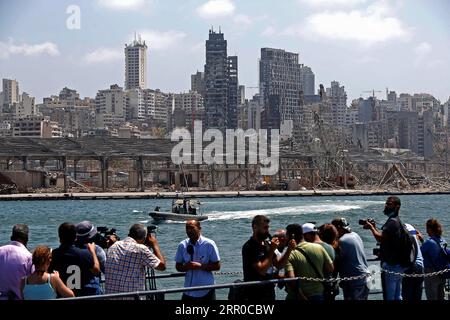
pixel 10 92
pixel 221 84
pixel 280 85
pixel 136 65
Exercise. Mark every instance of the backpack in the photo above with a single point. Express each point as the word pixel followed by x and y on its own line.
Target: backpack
pixel 407 247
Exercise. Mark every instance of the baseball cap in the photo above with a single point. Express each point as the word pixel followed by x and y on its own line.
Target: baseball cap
pixel 341 223
pixel 309 227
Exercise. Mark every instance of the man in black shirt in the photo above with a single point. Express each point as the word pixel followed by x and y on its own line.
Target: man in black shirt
pixel 257 258
pixel 389 238
pixel 76 266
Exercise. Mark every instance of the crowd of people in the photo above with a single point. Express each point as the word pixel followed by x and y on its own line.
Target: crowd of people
pixel 304 251
pixel 335 250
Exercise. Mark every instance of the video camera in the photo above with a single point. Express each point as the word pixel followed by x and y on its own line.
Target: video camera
pixel 103 238
pixel 366 221
pixel 152 228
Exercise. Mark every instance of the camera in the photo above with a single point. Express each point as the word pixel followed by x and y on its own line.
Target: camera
pixel 366 221
pixel 104 237
pixel 151 228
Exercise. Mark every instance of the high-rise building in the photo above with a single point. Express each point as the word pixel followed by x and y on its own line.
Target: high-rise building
pixel 110 105
pixel 136 65
pixel 192 106
pixel 425 134
pixel 10 91
pixel 69 96
pixel 198 83
pixel 26 106
pixel 280 85
pixel 405 102
pixel 221 83
pixel 366 110
pixel 447 112
pixel 233 93
pixel 307 80
pixel 338 100
pixel 254 113
pixel 135 105
pixel 391 96
pixel 412 130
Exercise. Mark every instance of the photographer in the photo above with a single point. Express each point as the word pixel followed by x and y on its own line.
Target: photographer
pixel 126 261
pixel 86 233
pixel 390 249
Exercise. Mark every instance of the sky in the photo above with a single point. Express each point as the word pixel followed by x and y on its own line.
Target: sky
pixel 366 45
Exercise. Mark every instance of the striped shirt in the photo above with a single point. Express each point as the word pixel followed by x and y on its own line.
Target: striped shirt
pixel 125 266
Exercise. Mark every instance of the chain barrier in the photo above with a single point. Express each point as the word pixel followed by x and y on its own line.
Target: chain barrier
pixel 416 275
pixel 362 276
pixel 231 273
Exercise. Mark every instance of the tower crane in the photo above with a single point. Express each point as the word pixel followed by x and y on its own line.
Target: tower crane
pixel 373 92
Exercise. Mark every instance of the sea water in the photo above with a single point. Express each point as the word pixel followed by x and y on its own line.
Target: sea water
pixel 229 223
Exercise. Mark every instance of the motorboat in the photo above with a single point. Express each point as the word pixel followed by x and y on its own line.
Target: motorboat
pixel 182 210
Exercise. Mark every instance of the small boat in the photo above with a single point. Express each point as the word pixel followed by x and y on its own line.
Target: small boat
pixel 182 210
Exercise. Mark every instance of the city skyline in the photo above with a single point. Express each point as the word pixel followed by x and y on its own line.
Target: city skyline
pixel 400 45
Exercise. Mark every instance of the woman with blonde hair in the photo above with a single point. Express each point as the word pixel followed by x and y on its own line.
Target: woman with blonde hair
pixel 41 285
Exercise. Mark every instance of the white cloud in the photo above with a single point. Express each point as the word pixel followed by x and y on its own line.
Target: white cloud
pixel 198 47
pixel 243 20
pixel 216 8
pixel 8 49
pixel 367 60
pixel 422 56
pixel 123 4
pixel 269 31
pixel 103 55
pixel 374 25
pixel 157 40
pixel 423 49
pixel 331 3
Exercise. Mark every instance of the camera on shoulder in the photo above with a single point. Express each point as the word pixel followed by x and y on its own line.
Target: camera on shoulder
pixel 106 237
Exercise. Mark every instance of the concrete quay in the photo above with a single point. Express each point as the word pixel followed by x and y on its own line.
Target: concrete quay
pixel 206 194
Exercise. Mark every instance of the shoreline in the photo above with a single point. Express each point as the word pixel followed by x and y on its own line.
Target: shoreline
pixel 206 194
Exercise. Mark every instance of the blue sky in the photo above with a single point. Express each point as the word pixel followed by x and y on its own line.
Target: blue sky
pixel 403 45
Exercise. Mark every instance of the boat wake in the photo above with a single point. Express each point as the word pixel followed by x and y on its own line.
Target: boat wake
pixel 293 210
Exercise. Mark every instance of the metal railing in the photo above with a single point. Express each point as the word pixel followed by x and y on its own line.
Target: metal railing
pixel 137 294
pixel 151 294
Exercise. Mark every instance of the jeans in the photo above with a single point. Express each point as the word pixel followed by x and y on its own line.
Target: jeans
pixel 355 291
pixel 210 296
pixel 412 287
pixel 434 286
pixel 393 282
